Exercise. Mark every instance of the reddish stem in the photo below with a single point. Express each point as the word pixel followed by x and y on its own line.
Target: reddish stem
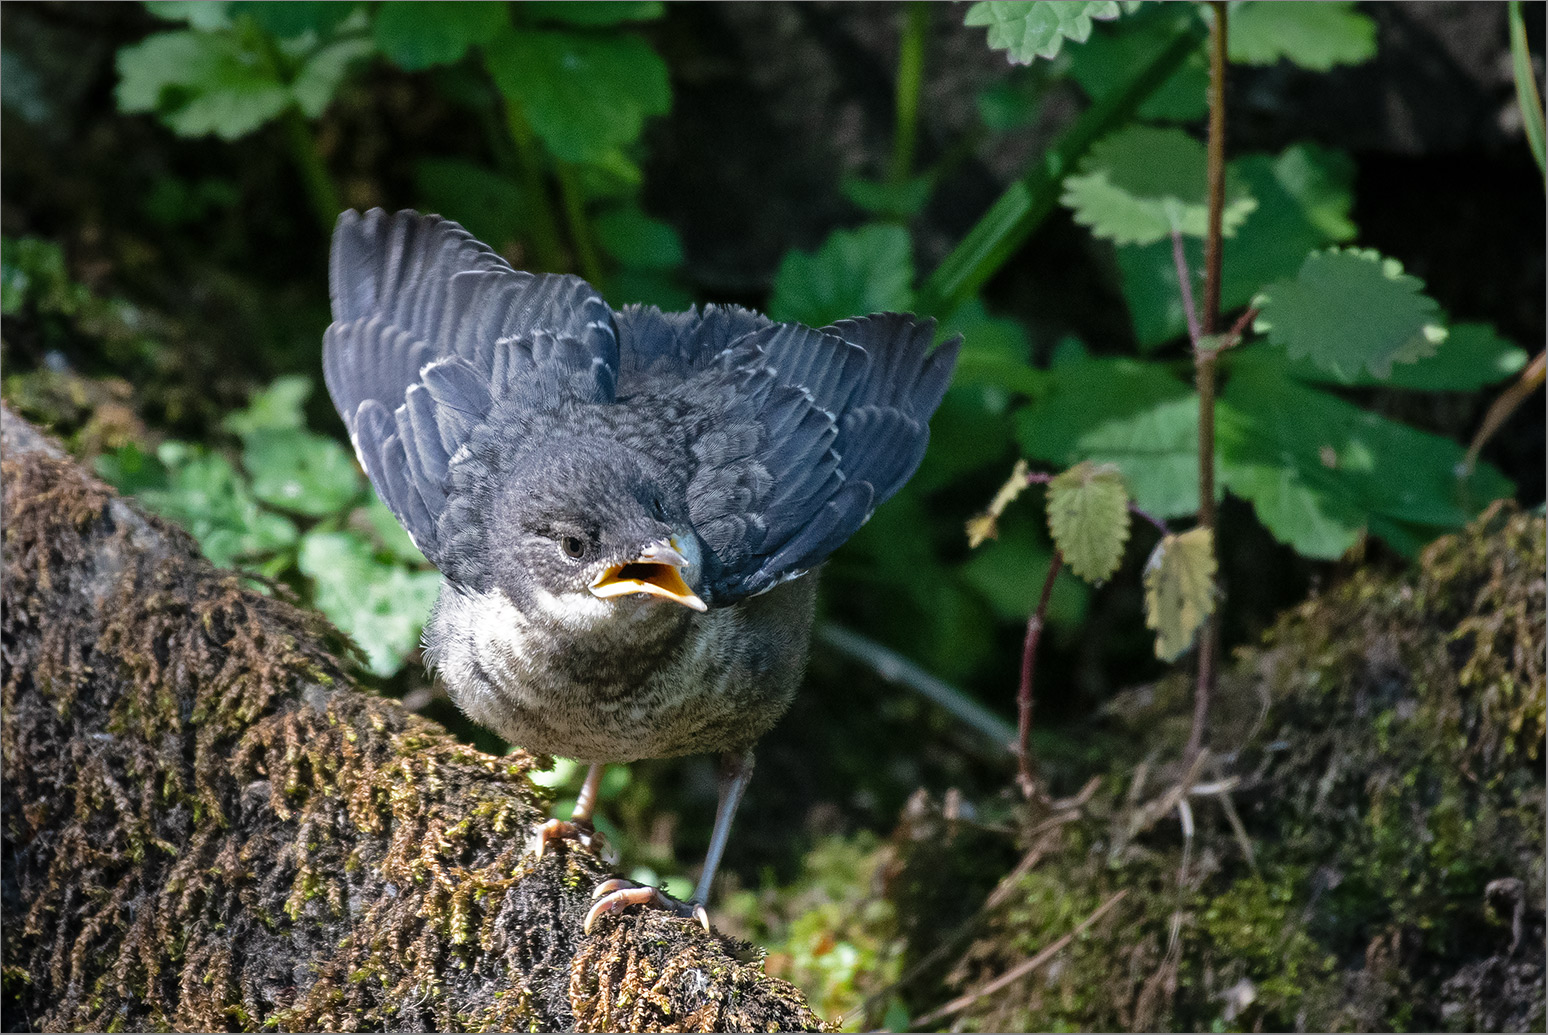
pixel 1024 696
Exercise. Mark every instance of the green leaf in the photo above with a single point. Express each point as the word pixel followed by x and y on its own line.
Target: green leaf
pixel 1139 183
pixel 1527 97
pixel 206 495
pixel 996 352
pixel 492 207
pixel 854 273
pixel 389 533
pixel 592 13
pixel 1106 58
pixel 286 19
pixel 300 471
pixel 322 72
pixel 131 470
pixel 1316 36
pixel 382 607
pixel 275 407
pixel 648 287
pixel 583 94
pixel 210 16
pixel 1026 29
pixel 1009 573
pixel 1304 197
pixel 1347 309
pixel 637 240
pixel 1317 469
pixel 416 35
pixel 1088 517
pixel 1133 415
pixel 893 200
pixel 1179 589
pixel 199 83
pixel 1471 356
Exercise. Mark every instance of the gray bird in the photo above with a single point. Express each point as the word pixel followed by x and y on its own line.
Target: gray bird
pixel 629 507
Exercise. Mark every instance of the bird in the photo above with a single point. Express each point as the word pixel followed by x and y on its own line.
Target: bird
pixel 629 507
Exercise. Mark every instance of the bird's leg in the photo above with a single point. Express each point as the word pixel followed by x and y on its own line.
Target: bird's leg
pixel 578 825
pixel 611 895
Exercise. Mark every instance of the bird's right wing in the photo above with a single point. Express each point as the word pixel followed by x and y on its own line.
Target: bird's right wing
pixel 816 429
pixel 430 330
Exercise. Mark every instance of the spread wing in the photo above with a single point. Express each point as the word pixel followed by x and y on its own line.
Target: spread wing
pixel 430 330
pixel 813 430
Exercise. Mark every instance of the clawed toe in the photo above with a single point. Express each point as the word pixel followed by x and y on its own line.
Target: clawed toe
pixel 615 894
pixel 559 830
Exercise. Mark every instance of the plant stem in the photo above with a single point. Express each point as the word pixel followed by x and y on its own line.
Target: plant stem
pixel 320 192
pixel 1019 211
pixel 1205 353
pixel 910 80
pixel 1024 694
pixel 574 200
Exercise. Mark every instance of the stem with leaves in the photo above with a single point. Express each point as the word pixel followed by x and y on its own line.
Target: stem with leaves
pixel 1206 348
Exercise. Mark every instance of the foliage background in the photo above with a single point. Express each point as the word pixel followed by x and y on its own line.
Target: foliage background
pixel 166 291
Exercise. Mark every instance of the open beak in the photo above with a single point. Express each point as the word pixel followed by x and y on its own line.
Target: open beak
pixel 658 571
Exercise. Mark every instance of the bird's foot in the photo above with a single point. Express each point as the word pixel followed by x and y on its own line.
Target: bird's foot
pixel 612 895
pixel 562 830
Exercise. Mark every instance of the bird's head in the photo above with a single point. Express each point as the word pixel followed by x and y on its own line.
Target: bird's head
pixel 592 532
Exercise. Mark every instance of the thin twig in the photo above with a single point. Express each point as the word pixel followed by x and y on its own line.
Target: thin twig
pixel 895 668
pixel 1157 522
pixel 1021 969
pixel 1024 694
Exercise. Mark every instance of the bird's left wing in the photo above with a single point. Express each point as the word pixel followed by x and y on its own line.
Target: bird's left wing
pixel 430 330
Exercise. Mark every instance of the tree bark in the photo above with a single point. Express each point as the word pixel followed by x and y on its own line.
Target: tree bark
pixel 208 826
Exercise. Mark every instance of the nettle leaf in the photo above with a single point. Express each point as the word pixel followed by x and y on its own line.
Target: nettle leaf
pixel 198 83
pixel 1319 470
pixel 382 607
pixel 1349 309
pixel 415 34
pixel 985 525
pixel 1138 184
pixel 1304 197
pixel 1316 36
pixel 1088 517
pixel 583 94
pixel 1472 356
pixel 1027 30
pixel 1179 589
pixel 635 239
pixel 1133 415
pixel 206 495
pixel 1104 61
pixel 592 13
pixel 854 273
pixel 300 471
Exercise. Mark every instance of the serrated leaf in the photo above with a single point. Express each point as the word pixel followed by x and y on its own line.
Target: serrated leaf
pixel 1027 29
pixel 1088 517
pixel 415 34
pixel 1138 184
pixel 985 526
pixel 1304 197
pixel 583 94
pixel 198 83
pixel 1318 470
pixel 301 472
pixel 1130 414
pixel 1349 309
pixel 854 273
pixel 1180 589
pixel 1472 356
pixel 382 607
pixel 637 240
pixel 1316 36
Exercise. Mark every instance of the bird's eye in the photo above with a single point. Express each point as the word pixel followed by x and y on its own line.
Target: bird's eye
pixel 659 509
pixel 573 546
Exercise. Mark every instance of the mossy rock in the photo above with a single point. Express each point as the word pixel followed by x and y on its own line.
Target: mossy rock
pixel 1362 848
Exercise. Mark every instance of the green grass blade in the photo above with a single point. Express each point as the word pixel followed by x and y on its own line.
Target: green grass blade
pixel 1526 86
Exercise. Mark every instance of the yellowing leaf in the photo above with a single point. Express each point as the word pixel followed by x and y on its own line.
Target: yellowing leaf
pixel 985 526
pixel 1088 516
pixel 1179 589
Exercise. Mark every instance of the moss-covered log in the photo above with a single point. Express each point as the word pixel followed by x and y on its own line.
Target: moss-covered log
pixel 1362 849
pixel 208 827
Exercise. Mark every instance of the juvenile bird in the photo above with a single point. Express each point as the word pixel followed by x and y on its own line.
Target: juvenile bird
pixel 629 507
